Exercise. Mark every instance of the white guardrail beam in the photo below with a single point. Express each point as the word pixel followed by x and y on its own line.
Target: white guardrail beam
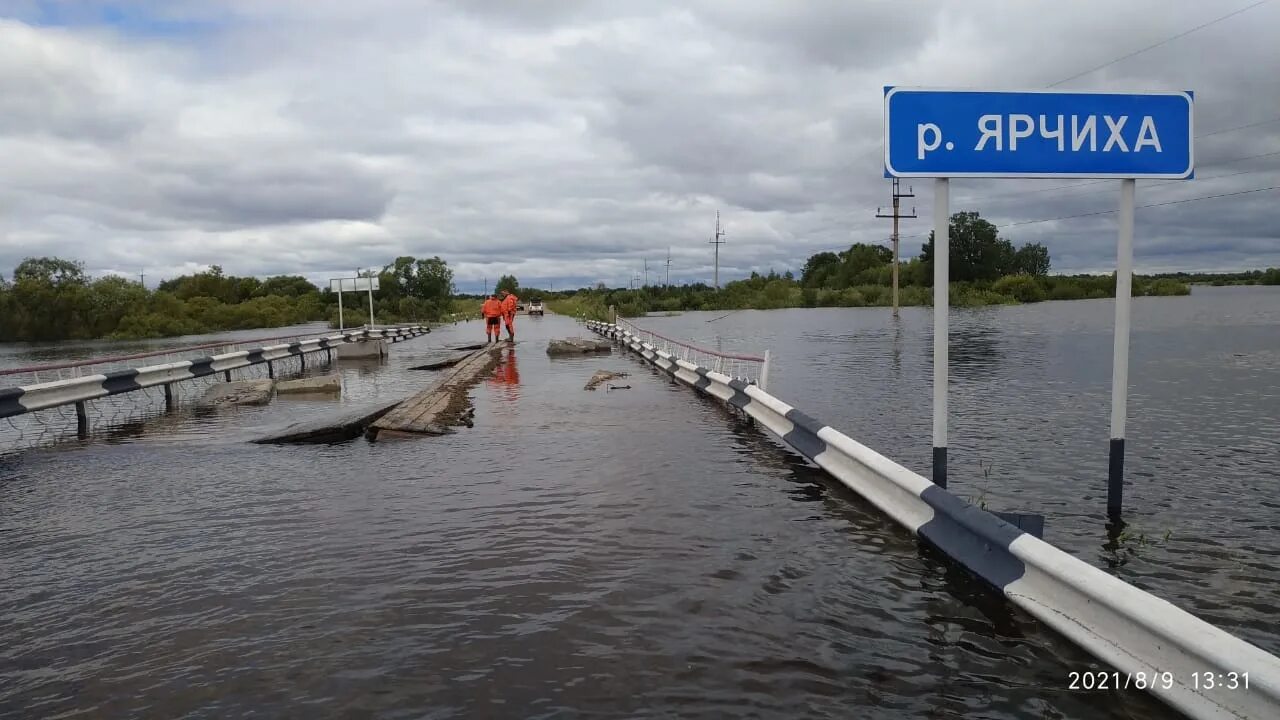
pixel 29 398
pixel 1154 645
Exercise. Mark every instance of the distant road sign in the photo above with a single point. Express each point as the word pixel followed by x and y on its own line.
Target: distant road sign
pixel 360 284
pixel 969 133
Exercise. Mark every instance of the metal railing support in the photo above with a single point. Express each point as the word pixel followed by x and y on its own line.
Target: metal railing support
pixel 82 420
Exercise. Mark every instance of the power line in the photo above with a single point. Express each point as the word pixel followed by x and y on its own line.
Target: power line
pixel 1108 212
pixel 1162 42
pixel 1240 127
pixel 1073 186
pixel 1149 205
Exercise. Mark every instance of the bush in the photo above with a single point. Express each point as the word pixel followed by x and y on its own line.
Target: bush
pixel 914 295
pixel 967 295
pixel 1067 291
pixel 1163 286
pixel 1023 288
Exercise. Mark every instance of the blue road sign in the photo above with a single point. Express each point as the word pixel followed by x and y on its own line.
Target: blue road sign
pixel 968 133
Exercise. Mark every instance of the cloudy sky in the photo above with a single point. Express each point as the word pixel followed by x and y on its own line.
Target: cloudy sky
pixel 567 141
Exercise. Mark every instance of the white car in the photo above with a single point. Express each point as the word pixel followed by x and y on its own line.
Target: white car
pixel 535 307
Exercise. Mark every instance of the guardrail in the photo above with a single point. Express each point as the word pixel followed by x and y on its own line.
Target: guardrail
pixel 752 368
pixel 1154 645
pixel 77 390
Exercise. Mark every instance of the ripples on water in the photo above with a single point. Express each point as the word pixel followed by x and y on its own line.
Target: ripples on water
pixel 629 553
pixel 1029 423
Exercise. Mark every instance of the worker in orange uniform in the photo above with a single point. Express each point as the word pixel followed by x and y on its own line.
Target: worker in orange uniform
pixel 492 312
pixel 509 304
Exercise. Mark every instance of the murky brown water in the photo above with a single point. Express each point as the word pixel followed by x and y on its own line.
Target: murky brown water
pixel 626 553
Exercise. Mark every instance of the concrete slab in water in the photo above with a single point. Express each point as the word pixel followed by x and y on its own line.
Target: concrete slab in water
pixel 318 384
pixel 578 346
pixel 239 392
pixel 442 362
pixel 363 349
pixel 442 404
pixel 343 425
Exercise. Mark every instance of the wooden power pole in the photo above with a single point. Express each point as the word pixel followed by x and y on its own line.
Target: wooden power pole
pixel 897 215
pixel 717 242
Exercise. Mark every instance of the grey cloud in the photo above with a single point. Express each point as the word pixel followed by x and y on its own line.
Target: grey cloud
pixel 574 140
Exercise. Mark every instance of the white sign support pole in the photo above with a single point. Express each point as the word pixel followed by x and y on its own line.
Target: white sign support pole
pixel 1120 354
pixel 370 281
pixel 340 325
pixel 941 308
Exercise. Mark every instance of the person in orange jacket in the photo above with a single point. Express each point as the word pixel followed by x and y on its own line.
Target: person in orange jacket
pixel 509 305
pixel 492 312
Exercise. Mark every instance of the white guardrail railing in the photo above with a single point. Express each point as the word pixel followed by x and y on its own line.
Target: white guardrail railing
pixel 40 396
pixel 1188 663
pixel 752 368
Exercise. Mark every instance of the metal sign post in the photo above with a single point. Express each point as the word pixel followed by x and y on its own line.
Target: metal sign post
pixel 946 134
pixel 941 313
pixel 356 284
pixel 1120 350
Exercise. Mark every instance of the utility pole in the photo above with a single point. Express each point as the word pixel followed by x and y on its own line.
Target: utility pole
pixel 646 272
pixel 897 215
pixel 142 279
pixel 717 242
pixel 667 282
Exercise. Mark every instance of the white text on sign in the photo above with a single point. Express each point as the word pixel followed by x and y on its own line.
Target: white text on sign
pixel 1000 132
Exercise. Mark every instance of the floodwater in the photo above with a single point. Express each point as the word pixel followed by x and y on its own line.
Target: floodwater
pixel 641 552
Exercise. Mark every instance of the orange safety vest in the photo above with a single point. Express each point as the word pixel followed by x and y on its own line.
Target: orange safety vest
pixel 491 308
pixel 509 305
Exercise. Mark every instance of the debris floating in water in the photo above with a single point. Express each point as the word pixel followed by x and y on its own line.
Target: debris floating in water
pixel 601 376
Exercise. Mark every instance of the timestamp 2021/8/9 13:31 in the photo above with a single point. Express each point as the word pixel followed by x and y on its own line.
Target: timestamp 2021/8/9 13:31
pixel 1115 680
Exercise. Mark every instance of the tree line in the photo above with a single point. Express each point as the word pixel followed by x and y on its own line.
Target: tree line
pixel 985 269
pixel 53 298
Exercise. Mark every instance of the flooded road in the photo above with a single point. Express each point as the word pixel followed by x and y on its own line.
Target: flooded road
pixel 624 553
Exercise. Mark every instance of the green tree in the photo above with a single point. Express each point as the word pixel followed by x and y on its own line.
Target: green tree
pixel 51 270
pixel 294 286
pixel 416 289
pixel 977 250
pixel 859 260
pixel 508 283
pixel 1030 259
pixel 817 268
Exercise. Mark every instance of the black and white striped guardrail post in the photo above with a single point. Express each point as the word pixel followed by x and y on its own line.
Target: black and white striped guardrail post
pixel 941 309
pixel 1180 658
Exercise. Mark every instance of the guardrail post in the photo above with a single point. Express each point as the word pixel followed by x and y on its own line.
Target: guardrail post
pixel 302 358
pixel 271 370
pixel 764 372
pixel 82 420
pixel 168 396
pixel 227 375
